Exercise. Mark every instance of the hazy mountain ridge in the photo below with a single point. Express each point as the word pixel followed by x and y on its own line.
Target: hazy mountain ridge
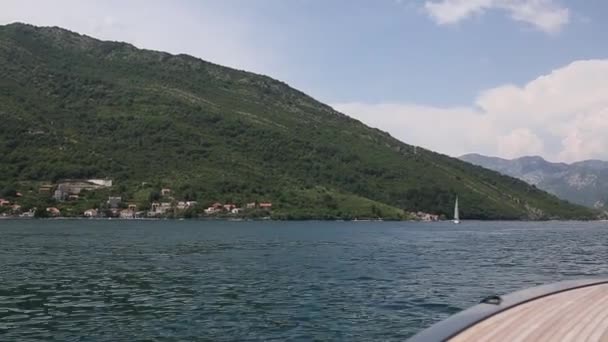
pixel 584 182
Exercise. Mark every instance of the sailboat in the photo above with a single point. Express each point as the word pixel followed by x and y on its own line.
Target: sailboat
pixel 456 213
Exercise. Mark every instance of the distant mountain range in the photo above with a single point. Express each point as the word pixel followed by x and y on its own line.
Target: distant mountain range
pixel 584 182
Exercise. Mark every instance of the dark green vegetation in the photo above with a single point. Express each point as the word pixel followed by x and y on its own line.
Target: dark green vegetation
pixel 74 107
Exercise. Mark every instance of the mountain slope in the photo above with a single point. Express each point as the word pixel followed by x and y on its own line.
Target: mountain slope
pixel 584 182
pixel 72 106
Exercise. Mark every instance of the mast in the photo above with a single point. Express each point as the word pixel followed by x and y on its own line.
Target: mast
pixel 456 213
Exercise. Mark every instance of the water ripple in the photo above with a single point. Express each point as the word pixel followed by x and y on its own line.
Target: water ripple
pixel 249 281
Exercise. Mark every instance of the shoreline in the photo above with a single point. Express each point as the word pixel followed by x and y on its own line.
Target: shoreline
pixel 11 218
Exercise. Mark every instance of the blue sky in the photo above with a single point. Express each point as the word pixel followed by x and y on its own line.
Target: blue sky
pixel 392 51
pixel 457 76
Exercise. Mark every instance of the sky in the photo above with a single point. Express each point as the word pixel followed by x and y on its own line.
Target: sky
pixel 499 77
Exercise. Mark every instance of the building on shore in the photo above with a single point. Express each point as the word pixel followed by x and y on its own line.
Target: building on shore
pixel 53 211
pixel 114 201
pixel 91 213
pixel 422 216
pixel 106 183
pixel 127 214
pixel 45 189
pixel 60 195
pixel 266 205
pixel 229 206
pixel 75 186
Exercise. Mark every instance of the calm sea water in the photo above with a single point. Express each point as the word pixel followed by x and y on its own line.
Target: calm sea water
pixel 228 281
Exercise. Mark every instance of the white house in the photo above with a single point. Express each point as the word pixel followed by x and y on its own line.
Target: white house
pixel 101 182
pixel 212 210
pixel 127 214
pixel 90 213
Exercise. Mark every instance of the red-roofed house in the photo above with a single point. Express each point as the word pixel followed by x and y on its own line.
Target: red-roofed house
pixel 53 211
pixel 266 205
pixel 229 206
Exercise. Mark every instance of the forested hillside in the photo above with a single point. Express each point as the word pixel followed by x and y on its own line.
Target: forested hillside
pixel 75 107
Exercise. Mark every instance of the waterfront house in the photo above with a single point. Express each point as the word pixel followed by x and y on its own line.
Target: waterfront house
pixel 191 204
pixel 181 205
pixel 250 205
pixel 114 212
pixel 165 191
pixel 90 213
pixel 212 210
pixel 127 214
pixel 16 208
pixel 114 201
pixel 4 202
pixel 266 205
pixel 164 207
pixel 53 211
pixel 132 207
pixel 157 209
pixel 422 216
pixel 152 214
pixel 236 211
pixel 229 206
pixel 29 213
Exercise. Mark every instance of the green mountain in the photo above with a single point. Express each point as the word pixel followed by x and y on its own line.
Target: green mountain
pixel 75 107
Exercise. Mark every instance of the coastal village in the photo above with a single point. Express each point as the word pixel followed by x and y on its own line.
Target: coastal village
pixel 72 198
pixel 167 205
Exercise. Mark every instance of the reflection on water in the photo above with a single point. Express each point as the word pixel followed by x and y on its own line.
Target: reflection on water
pixel 225 281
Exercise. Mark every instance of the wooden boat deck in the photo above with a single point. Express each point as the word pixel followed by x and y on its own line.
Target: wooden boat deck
pixel 568 311
pixel 576 315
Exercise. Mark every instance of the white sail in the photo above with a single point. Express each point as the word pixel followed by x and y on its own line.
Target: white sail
pixel 456 213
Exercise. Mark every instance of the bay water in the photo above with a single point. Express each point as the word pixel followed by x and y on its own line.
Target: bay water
pixel 96 280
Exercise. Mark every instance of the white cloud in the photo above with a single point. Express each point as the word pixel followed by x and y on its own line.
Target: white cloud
pixel 545 15
pixel 520 141
pixel 562 116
